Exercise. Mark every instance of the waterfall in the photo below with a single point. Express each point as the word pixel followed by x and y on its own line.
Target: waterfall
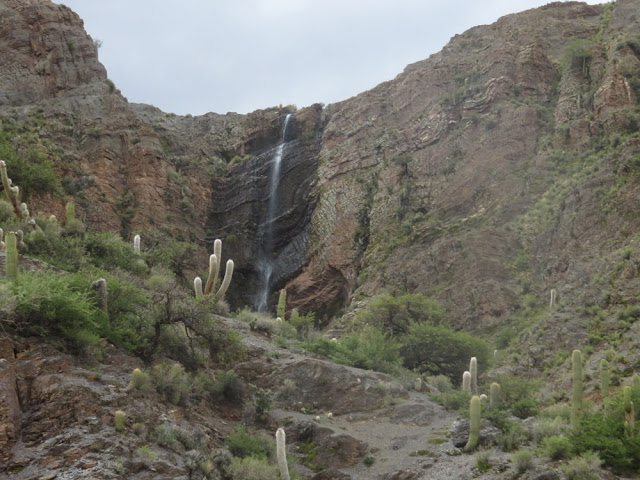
pixel 266 260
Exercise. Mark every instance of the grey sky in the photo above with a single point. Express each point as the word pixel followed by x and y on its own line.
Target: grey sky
pixel 198 56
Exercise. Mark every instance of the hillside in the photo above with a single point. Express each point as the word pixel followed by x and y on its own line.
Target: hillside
pixel 497 171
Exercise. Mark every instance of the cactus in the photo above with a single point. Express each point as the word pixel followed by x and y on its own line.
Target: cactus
pixel 197 286
pixel 138 379
pixel 228 273
pixel 20 239
pixel 466 382
pixel 282 454
pixel 11 260
pixel 282 303
pixel 100 286
pixel 417 384
pixel 473 370
pixel 13 193
pixel 483 398
pixel 136 244
pixel 474 424
pixel 214 267
pixel 494 395
pixel 629 409
pixel 70 210
pixel 605 378
pixel 118 420
pixel 576 405
pixel 635 385
pixel 552 298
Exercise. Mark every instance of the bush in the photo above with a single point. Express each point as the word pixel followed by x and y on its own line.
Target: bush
pixel 243 444
pixel 603 432
pixel 557 448
pixel 393 315
pixel 456 400
pixel 525 408
pixel 252 468
pixel 228 386
pixel 583 467
pixel 108 251
pixel 523 460
pixel 51 305
pixel 368 348
pixel 30 168
pixel 438 350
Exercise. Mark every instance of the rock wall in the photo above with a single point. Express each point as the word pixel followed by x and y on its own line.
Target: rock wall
pixel 421 184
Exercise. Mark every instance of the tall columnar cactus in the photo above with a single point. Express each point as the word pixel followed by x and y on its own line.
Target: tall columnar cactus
pixel 214 268
pixel 635 384
pixel 605 378
pixel 466 382
pixel 100 286
pixel 197 286
pixel 282 303
pixel 21 245
pixel 474 424
pixel 629 409
pixel 11 259
pixel 473 370
pixel 281 451
pixel 13 193
pixel 552 298
pixel 494 395
pixel 70 210
pixel 576 406
pixel 136 244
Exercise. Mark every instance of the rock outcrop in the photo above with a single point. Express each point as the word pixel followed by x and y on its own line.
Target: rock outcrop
pixel 426 183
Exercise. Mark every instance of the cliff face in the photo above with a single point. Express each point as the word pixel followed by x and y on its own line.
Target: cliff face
pixel 500 166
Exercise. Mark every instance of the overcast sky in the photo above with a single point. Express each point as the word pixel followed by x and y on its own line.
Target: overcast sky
pixel 198 56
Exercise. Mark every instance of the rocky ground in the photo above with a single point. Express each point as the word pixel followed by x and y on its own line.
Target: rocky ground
pixel 360 424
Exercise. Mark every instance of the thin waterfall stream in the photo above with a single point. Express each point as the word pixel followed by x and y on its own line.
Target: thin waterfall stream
pixel 266 261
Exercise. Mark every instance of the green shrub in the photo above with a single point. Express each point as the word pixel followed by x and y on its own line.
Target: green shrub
pixel 557 448
pixel 29 168
pixel 107 250
pixel 228 386
pixel 369 348
pixel 523 460
pixel 604 432
pixel 438 350
pixel 51 305
pixel 525 408
pixel 583 467
pixel 456 400
pixel 394 315
pixel 252 468
pixel 244 444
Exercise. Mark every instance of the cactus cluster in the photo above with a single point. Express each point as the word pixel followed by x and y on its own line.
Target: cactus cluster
pixel 13 193
pixel 214 268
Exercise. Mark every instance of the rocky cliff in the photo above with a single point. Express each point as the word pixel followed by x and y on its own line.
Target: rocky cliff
pixel 502 165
